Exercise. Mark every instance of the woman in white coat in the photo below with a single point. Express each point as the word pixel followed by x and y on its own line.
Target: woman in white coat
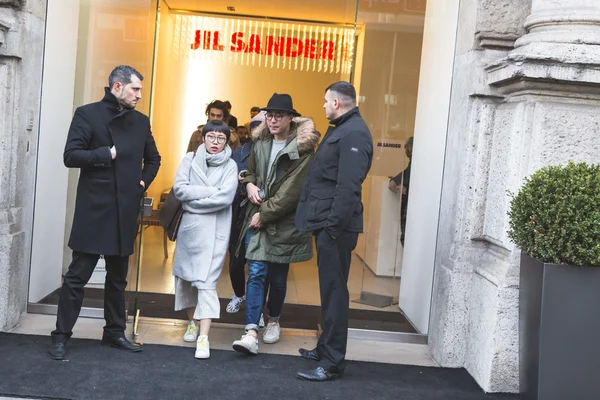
pixel 205 183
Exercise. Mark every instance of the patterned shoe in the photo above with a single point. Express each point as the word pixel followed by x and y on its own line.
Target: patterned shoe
pixel 191 334
pixel 234 304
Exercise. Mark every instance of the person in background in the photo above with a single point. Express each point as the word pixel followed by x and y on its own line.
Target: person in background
pixel 242 134
pixel 215 111
pixel 282 149
pixel 205 184
pixel 331 207
pixel 112 146
pixel 400 184
pixel 231 120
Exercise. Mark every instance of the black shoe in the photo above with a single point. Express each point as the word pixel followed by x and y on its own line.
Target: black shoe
pixel 319 374
pixel 57 351
pixel 121 343
pixel 310 354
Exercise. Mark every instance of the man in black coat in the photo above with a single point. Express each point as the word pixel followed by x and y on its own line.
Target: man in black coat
pixel 331 207
pixel 113 147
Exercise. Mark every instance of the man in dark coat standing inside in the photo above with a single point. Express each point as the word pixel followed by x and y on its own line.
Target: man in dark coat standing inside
pixel 113 147
pixel 331 207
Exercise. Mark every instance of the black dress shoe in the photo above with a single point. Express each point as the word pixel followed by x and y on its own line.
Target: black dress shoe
pixel 319 374
pixel 57 351
pixel 121 343
pixel 310 354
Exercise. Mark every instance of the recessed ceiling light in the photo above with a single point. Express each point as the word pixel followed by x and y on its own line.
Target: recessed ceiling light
pixel 230 8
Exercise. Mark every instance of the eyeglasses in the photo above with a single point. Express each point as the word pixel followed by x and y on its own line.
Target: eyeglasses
pixel 216 139
pixel 276 117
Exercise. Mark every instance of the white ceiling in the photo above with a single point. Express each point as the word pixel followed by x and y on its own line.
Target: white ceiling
pixel 339 11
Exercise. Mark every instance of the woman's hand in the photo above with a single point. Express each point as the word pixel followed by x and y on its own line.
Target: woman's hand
pixel 253 193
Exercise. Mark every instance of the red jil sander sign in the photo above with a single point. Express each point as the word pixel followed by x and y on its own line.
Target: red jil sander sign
pixel 267 45
pixel 317 48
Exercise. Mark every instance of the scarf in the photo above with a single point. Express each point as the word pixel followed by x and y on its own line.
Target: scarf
pixel 200 174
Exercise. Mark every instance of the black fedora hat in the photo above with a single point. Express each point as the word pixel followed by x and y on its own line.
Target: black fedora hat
pixel 281 102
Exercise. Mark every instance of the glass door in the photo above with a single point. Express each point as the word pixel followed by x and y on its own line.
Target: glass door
pixel 388 58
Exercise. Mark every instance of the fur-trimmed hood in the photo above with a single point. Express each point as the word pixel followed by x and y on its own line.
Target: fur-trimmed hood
pixel 302 128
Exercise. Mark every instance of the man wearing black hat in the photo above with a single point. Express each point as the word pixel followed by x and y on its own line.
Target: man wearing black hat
pixel 283 147
pixel 331 207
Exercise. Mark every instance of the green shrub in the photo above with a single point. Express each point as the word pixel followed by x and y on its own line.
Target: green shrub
pixel 555 217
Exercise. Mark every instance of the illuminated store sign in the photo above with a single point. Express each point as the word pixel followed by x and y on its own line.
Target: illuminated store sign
pixel 265 44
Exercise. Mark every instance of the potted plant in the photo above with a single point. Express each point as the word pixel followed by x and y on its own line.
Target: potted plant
pixel 555 221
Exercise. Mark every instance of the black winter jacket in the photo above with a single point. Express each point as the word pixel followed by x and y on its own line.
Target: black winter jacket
pixel 331 198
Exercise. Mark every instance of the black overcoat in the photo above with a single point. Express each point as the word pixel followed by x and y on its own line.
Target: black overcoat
pixel 109 191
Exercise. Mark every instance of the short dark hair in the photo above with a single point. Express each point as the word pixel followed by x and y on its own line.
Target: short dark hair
pixel 346 92
pixel 123 74
pixel 409 141
pixel 255 108
pixel 219 105
pixel 227 104
pixel 216 126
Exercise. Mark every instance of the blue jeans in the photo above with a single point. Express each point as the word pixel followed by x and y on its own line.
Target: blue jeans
pixel 255 289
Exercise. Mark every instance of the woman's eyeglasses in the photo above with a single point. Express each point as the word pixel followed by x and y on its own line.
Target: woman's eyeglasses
pixel 216 139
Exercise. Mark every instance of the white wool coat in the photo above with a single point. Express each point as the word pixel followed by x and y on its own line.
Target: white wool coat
pixel 206 194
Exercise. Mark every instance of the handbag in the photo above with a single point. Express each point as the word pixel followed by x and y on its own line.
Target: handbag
pixel 170 213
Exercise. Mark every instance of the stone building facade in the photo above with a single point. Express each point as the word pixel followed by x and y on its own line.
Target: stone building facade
pixel 525 94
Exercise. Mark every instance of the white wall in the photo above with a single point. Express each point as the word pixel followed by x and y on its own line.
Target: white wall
pixel 437 59
pixel 52 177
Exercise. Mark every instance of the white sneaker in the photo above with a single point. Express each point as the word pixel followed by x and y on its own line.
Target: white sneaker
pixel 248 344
pixel 202 347
pixel 191 334
pixel 261 323
pixel 234 304
pixel 271 334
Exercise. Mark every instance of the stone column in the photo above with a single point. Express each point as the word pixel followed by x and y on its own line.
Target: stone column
pixel 562 45
pixel 21 51
pixel 517 105
pixel 564 21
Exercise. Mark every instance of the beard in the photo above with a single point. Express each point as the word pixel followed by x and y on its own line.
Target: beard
pixel 124 103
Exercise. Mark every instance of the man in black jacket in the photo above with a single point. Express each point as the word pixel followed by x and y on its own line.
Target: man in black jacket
pixel 113 147
pixel 331 207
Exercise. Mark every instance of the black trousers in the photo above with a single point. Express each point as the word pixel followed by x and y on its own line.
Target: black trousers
pixel 333 258
pixel 236 270
pixel 72 291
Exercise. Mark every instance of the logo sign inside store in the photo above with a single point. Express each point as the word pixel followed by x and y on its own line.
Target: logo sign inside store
pixel 268 45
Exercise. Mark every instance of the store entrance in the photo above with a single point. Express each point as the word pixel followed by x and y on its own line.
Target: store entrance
pixel 201 57
pixel 192 53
